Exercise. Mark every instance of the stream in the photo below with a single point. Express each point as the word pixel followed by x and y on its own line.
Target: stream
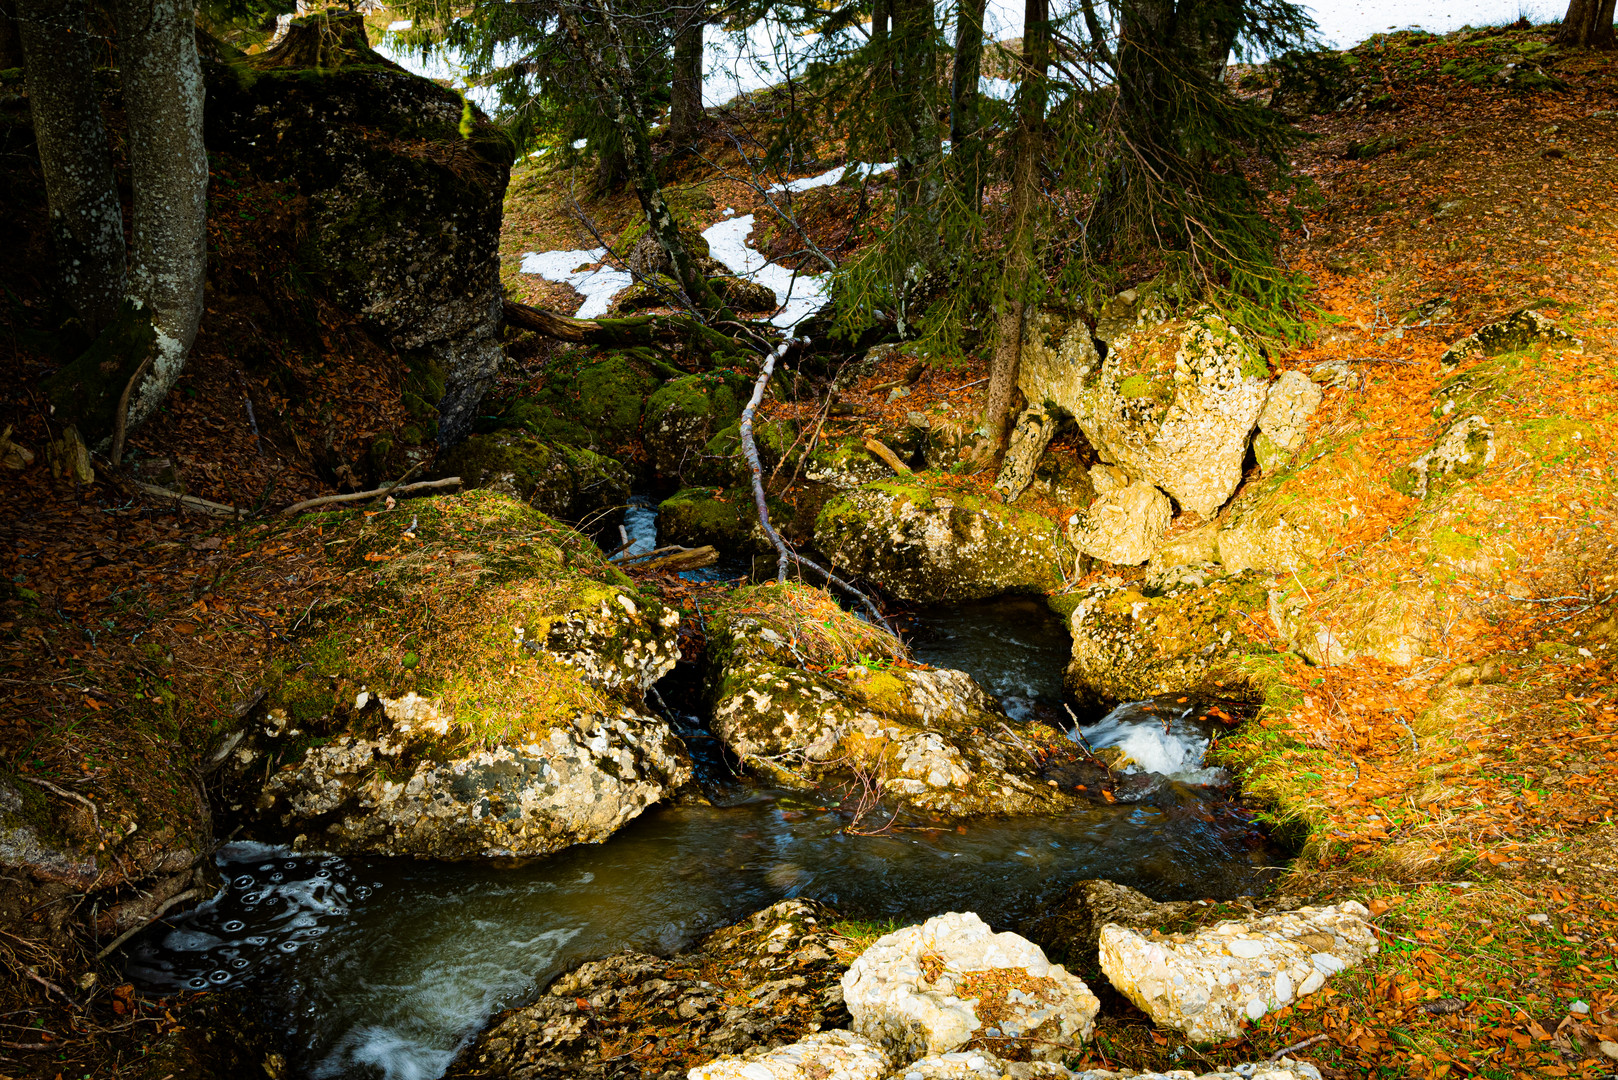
pixel 385 967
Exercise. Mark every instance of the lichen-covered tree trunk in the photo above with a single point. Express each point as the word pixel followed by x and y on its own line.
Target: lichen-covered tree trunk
pixel 87 223
pixel 685 105
pixel 168 168
pixel 965 125
pixel 610 70
pixel 1017 280
pixel 1588 25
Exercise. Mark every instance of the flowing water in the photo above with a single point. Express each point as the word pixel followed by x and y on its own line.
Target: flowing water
pixel 384 968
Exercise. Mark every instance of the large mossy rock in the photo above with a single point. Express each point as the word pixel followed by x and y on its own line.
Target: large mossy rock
pixel 682 416
pixel 802 691
pixel 726 519
pixel 1172 403
pixel 783 962
pixel 478 691
pixel 1190 638
pixel 922 543
pixel 402 182
pixel 590 399
pixel 562 481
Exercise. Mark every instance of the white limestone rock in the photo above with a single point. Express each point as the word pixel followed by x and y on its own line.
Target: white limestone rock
pixel 935 988
pixel 1464 450
pixel 825 1055
pixel 1124 526
pixel 980 1065
pixel 1285 420
pixel 1208 983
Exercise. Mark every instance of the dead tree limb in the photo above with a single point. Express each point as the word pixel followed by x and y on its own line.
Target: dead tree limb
pixel 356 496
pixel 665 331
pixel 784 554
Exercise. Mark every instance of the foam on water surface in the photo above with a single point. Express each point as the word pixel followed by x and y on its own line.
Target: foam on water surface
pixel 1156 736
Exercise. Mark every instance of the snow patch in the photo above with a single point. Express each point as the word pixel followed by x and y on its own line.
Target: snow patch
pixel 597 286
pixel 854 170
pixel 799 295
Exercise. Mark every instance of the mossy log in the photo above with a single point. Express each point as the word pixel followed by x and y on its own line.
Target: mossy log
pixel 664 331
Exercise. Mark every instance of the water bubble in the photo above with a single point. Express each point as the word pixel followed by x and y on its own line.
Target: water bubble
pixel 323 874
pixel 243 882
pixel 267 866
pixel 290 865
pixel 239 963
pixel 252 898
pixel 234 925
pixel 257 939
pixel 276 878
pixel 197 983
pixel 219 978
pixel 288 946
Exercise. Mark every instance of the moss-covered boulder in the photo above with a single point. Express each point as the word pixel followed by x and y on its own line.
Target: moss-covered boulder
pixel 725 518
pixel 681 418
pixel 477 692
pixel 562 481
pixel 1172 403
pixel 803 691
pixel 402 182
pixel 1190 638
pixel 927 543
pixel 744 295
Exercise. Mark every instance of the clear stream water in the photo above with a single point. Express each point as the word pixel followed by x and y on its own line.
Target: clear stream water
pixel 386 967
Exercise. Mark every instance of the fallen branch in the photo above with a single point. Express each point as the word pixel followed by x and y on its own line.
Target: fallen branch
pixel 784 554
pixel 889 458
pixel 357 496
pixel 659 330
pixel 1295 1047
pixel 190 502
pixel 162 909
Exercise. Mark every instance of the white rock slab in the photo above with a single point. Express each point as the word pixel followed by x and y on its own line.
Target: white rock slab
pixel 1206 984
pixel 973 1065
pixel 1285 1069
pixel 825 1055
pixel 931 989
pixel 1124 526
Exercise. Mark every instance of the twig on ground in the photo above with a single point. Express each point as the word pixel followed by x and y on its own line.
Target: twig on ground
pixel 1295 1047
pixel 357 496
pixel 191 502
pixel 163 909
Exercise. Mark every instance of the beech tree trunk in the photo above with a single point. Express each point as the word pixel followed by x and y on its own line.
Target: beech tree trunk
pixel 1588 25
pixel 1018 279
pixel 685 106
pixel 965 126
pixel 87 222
pixel 611 72
pixel 168 169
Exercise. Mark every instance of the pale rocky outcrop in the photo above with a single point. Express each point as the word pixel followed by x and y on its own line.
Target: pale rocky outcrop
pixel 1173 403
pixel 952 983
pixel 980 1065
pixel 1285 1069
pixel 1209 983
pixel 920 544
pixel 826 1055
pixel 1124 526
pixel 1284 422
pixel 1072 925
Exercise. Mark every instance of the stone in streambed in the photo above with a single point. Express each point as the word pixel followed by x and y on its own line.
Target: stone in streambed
pixel 827 1055
pixel 781 960
pixel 952 983
pixel 920 543
pixel 485 699
pixel 1209 983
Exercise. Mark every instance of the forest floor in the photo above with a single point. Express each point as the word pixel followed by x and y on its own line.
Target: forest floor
pixel 1481 833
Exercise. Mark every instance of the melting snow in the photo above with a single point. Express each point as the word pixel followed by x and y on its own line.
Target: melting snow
pixel 400 24
pixel 825 179
pixel 598 287
pixel 799 296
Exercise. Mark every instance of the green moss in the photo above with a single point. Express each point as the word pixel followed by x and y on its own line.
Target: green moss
pixel 1135 386
pixel 1453 545
pixel 1405 480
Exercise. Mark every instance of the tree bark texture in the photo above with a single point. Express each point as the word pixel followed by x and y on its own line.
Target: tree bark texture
pixel 965 124
pixel 611 72
pixel 87 221
pixel 1588 25
pixel 1017 279
pixel 685 105
pixel 10 43
pixel 168 169
pixel 917 140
